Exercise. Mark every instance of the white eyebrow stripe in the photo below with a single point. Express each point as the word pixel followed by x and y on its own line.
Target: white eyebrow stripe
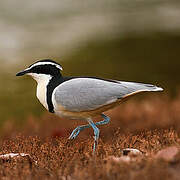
pixel 44 63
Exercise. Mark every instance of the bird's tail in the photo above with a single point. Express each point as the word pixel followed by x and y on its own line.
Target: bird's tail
pixel 134 88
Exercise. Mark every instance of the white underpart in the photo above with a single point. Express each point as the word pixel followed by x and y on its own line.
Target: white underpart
pixel 42 82
pixel 44 63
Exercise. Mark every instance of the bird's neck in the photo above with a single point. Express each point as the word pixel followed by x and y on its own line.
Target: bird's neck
pixel 42 83
pixel 45 87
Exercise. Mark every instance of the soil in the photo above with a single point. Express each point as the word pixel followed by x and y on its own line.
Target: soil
pixel 149 125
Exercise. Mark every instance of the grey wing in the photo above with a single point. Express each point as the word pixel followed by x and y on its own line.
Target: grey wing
pixel 84 94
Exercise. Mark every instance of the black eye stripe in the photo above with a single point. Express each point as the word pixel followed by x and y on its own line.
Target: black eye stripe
pixel 45 69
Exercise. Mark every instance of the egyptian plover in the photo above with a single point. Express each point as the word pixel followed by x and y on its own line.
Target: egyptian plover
pixel 80 97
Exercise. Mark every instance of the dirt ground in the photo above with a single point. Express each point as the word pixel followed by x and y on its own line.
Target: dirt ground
pixel 149 125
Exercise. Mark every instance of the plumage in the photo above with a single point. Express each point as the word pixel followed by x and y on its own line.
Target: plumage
pixel 86 94
pixel 80 97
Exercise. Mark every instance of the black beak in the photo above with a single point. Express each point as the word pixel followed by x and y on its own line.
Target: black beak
pixel 21 73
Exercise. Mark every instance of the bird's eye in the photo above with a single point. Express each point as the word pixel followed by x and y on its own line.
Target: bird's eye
pixel 37 69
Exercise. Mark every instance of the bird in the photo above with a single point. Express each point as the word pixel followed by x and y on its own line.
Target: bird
pixel 80 97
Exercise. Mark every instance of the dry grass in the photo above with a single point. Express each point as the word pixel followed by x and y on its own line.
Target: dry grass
pixel 148 125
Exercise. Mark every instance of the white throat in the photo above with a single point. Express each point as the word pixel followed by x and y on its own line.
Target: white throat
pixel 42 82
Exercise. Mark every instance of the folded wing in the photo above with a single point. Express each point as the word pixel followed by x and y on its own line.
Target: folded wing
pixel 85 94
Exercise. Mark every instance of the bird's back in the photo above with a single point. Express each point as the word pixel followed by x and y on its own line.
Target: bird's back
pixel 87 94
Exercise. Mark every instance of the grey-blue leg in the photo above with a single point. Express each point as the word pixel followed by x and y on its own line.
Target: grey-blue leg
pixel 76 131
pixel 105 121
pixel 80 128
pixel 96 133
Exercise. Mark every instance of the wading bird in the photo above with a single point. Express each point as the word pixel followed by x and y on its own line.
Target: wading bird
pixel 80 97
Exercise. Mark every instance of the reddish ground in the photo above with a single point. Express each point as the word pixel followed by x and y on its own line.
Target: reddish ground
pixel 148 125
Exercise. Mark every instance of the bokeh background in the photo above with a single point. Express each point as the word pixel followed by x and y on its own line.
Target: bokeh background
pixel 135 40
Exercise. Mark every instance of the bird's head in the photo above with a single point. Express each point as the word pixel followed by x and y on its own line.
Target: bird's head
pixel 42 70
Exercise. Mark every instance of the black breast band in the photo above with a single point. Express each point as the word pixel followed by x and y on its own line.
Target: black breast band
pixel 53 83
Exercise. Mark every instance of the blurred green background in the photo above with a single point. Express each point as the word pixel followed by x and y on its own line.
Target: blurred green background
pixel 135 40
